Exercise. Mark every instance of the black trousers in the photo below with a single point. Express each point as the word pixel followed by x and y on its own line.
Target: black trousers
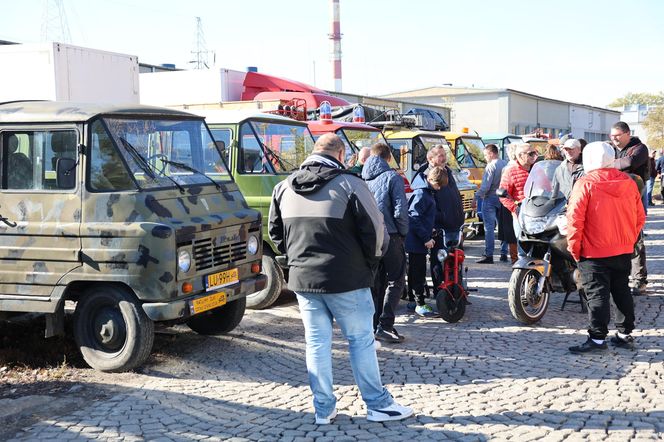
pixel 603 279
pixel 389 283
pixel 417 276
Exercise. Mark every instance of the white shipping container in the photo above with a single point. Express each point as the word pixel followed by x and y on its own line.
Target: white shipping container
pixel 62 72
pixel 176 88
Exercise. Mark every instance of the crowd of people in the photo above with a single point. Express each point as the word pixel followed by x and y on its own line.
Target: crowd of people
pixel 355 243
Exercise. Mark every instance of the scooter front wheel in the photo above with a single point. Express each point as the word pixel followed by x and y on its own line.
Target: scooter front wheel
pixel 526 304
pixel 451 303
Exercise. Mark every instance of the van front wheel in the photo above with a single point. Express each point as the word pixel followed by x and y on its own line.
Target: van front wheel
pixel 111 329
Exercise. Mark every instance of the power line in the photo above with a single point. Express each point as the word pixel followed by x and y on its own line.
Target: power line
pixel 54 24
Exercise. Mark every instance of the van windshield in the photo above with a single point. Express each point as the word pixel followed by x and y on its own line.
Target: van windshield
pixel 273 147
pixel 470 152
pixel 356 139
pixel 157 154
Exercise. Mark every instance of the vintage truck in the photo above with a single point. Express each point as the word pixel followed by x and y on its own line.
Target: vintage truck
pixel 130 214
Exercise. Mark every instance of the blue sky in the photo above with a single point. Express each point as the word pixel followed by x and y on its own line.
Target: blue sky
pixel 588 51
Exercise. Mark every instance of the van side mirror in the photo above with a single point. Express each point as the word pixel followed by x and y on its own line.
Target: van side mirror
pixel 65 173
pixel 502 193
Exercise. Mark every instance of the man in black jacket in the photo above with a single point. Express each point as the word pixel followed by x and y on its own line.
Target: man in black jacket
pixel 632 157
pixel 325 220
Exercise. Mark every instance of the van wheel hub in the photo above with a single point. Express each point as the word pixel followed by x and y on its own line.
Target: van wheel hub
pixel 110 328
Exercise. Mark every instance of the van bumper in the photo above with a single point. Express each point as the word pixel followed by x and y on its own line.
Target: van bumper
pixel 181 309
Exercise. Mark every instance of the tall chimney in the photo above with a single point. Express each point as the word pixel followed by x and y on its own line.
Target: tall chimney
pixel 335 36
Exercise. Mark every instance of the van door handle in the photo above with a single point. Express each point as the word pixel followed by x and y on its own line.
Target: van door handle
pixel 6 221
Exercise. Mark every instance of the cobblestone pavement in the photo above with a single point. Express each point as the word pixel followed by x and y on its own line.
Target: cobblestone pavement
pixel 484 378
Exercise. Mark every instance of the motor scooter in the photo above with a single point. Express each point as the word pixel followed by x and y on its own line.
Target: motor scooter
pixel 450 284
pixel 547 267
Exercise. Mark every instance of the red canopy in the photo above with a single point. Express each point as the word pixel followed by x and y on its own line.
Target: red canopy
pixel 259 86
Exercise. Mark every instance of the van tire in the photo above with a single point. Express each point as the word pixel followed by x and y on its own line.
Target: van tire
pixel 220 320
pixel 129 333
pixel 275 283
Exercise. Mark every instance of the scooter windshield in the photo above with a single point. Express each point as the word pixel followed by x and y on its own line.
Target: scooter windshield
pixel 540 182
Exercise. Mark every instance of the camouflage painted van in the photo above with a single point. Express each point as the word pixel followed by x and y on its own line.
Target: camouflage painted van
pixel 130 213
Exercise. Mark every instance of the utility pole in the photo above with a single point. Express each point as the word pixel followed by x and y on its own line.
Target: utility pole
pixel 54 22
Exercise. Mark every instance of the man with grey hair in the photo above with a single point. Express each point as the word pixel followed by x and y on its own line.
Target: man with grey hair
pixel 571 169
pixel 325 221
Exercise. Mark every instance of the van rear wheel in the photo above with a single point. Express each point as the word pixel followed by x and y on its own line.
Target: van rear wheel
pixel 219 320
pixel 111 329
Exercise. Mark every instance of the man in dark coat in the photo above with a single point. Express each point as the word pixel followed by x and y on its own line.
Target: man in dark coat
pixel 632 157
pixel 389 191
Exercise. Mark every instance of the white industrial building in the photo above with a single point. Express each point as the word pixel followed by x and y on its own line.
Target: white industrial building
pixel 512 111
pixel 634 115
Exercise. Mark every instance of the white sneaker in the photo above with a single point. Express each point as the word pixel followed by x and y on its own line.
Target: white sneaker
pixel 394 412
pixel 377 344
pixel 326 420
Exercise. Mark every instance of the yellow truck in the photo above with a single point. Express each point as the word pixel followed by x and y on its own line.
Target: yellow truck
pixel 410 147
pixel 468 151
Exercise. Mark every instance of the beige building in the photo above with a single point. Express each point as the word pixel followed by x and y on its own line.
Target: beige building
pixel 510 111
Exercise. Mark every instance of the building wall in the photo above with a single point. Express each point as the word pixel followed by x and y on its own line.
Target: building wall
pixel 505 110
pixel 634 115
pixel 477 112
pixel 528 114
pixel 591 124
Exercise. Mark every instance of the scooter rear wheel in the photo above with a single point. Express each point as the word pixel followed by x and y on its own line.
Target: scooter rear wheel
pixel 526 305
pixel 451 303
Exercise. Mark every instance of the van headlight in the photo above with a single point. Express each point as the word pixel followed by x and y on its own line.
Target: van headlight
pixel 184 261
pixel 252 245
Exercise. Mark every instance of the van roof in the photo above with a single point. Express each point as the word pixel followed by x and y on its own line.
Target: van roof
pixel 234 116
pixel 66 111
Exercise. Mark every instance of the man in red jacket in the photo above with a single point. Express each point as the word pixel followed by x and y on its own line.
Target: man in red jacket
pixel 604 217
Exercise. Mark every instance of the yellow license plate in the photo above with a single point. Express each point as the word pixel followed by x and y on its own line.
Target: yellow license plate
pixel 208 302
pixel 221 279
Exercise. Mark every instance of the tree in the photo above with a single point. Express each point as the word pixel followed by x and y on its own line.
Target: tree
pixel 654 125
pixel 639 98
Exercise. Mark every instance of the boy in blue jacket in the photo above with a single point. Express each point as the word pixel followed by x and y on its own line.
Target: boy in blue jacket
pixel 421 218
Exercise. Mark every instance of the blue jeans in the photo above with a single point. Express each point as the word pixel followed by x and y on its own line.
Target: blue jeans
pixel 650 184
pixel 490 211
pixel 353 311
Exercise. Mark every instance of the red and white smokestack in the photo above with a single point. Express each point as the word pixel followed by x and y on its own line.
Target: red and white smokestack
pixel 335 36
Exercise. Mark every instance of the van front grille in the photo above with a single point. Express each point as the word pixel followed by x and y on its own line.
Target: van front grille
pixel 208 255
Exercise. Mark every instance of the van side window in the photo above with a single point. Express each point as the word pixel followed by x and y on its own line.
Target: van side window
pixel 222 139
pixel 463 155
pixel 419 153
pixel 30 158
pixel 251 157
pixel 107 169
